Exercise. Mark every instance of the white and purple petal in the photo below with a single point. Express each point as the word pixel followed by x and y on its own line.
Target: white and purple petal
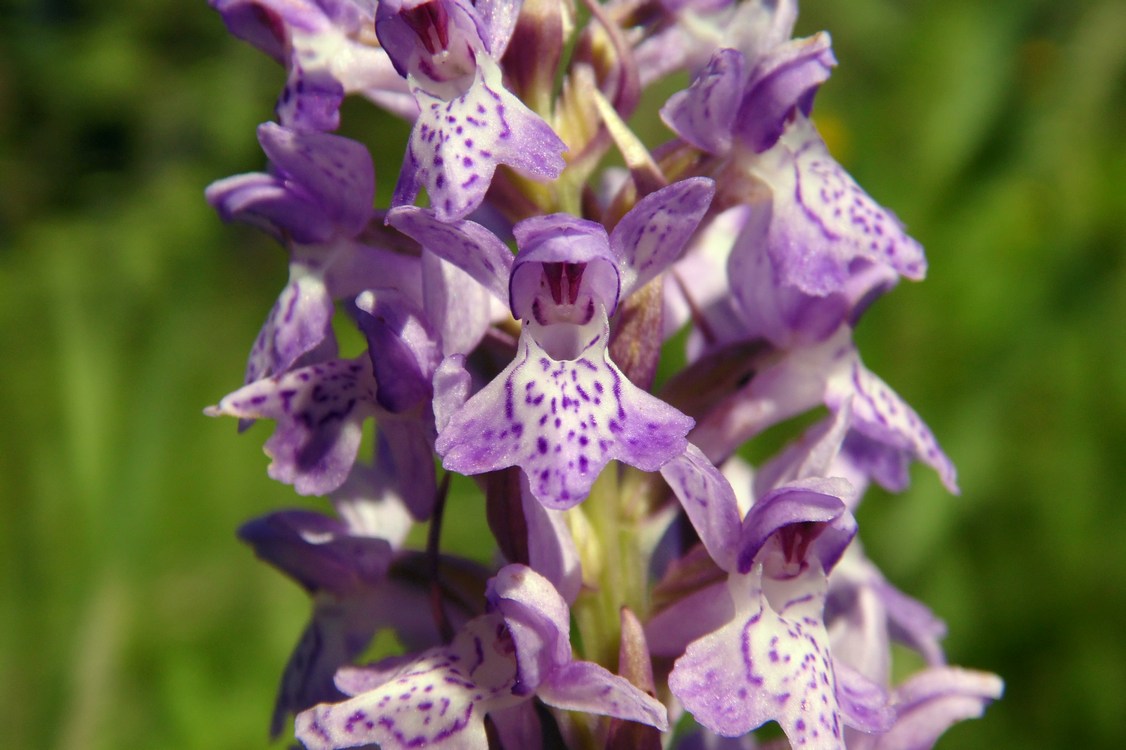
pixel 709 501
pixel 771 662
pixel 823 227
pixel 320 410
pixel 655 232
pixel 562 421
pixel 458 142
pixel 438 699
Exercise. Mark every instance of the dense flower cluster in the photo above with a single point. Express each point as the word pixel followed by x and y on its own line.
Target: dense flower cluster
pixel 515 325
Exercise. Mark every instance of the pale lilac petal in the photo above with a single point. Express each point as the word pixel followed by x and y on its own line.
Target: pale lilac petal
pixel 704 113
pixel 654 233
pixel 299 321
pixel 265 201
pixel 862 702
pixel 590 688
pixel 498 21
pixel 882 416
pixel 457 307
pixel 692 617
pixel 857 619
pixel 457 144
pixel 929 703
pixel 824 226
pixel 810 456
pixel 452 383
pixel 336 171
pixel 562 421
pixel 912 623
pixel 402 346
pixel 317 551
pixel 369 506
pixel 770 662
pixel 438 699
pixel 709 501
pixel 405 456
pixel 519 727
pixel 467 245
pixel 783 81
pixel 320 412
pixel 551 547
pixel 538 620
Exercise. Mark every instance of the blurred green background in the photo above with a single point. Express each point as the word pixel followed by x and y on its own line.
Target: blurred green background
pixel 130 617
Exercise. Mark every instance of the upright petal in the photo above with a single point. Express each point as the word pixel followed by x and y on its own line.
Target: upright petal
pixel 654 233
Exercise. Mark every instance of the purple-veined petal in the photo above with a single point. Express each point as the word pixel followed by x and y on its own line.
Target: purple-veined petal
pixel 402 347
pixel 561 421
pixel 654 233
pixel 823 226
pixel 770 662
pixel 299 321
pixel 928 703
pixel 319 411
pixel 783 81
pixel 457 144
pixel 588 687
pixel 704 113
pixel 709 501
pixel 467 245
pixel 879 414
pixel 438 699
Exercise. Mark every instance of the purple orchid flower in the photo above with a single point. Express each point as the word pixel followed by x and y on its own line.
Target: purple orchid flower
pixel 562 409
pixel 757 645
pixel 317 200
pixel 344 570
pixel 328 50
pixel 448 50
pixel 520 650
pixel 813 249
pixel 320 409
